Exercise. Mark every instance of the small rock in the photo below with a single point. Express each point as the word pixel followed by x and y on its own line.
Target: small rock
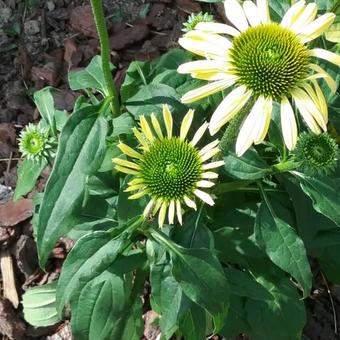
pixel 50 5
pixel 11 213
pixel 188 6
pixel 5 193
pixel 5 14
pixel 32 27
pixel 26 255
pixel 151 330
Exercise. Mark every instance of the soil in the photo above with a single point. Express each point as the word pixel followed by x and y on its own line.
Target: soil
pixel 40 41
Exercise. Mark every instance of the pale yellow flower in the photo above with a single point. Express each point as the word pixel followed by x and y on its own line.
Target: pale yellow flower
pixel 169 169
pixel 265 61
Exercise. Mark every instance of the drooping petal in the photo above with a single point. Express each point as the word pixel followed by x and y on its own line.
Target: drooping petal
pixel 263 8
pixel 250 127
pixel 186 122
pixel 141 138
pixel 316 28
pixel 148 208
pixel 228 108
pixel 206 90
pixel 205 197
pixel 234 13
pixel 156 126
pixel 135 181
pixel 162 213
pixel 209 147
pixel 263 123
pixel 179 212
pixel 293 13
pixel 190 203
pixel 199 133
pixel 134 187
pixel 321 100
pixel 252 13
pixel 137 195
pixel 306 114
pixel 167 120
pixel 326 55
pixel 211 153
pixel 129 151
pixel 214 27
pixel 288 124
pixel 321 73
pixel 171 212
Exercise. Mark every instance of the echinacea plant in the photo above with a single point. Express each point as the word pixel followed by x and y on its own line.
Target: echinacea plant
pixel 202 188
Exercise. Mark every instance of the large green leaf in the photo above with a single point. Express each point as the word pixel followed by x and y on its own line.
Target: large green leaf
pixel 39 305
pixel 283 246
pixel 28 173
pixel 324 194
pixel 91 255
pixel 201 277
pixel 280 318
pixel 92 77
pixel 193 324
pixel 80 154
pixel 248 167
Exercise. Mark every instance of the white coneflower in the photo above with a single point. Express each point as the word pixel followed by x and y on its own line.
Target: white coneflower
pixel 266 61
pixel 171 170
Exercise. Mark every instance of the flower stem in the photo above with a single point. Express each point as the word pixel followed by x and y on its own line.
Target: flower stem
pixel 98 13
pixel 284 166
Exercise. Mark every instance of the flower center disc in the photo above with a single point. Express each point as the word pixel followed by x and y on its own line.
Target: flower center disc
pixel 269 59
pixel 171 168
pixel 33 143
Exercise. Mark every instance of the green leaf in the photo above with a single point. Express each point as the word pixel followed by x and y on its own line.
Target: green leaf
pixel 28 173
pixel 201 277
pixel 150 98
pixel 106 295
pixel 248 167
pixel 283 246
pixel 80 153
pixel 243 284
pixel 193 324
pixel 323 192
pixel 39 305
pixel 92 77
pixel 280 318
pixel 44 101
pixel 278 8
pixel 172 59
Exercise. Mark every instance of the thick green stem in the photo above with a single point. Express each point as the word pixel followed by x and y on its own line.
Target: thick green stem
pixel 98 13
pixel 284 166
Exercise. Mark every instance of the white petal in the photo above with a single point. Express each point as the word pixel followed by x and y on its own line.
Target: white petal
pixel 179 212
pixel 167 117
pixel 262 5
pixel 288 124
pixel 190 203
pixel 129 151
pixel 148 208
pixel 228 108
pixel 305 18
pixel 293 13
pixel 186 123
pixel 171 212
pixel 250 127
pixel 235 14
pixel 321 100
pixel 317 27
pixel 212 165
pixel 162 213
pixel 126 163
pixel 264 121
pixel 321 73
pixel 209 175
pixel 305 113
pixel 156 126
pixel 206 90
pixel 199 133
pixel 326 55
pixel 209 147
pixel 146 128
pixel 210 154
pixel 205 184
pixel 252 13
pixel 204 197
pixel 214 27
pixel 203 65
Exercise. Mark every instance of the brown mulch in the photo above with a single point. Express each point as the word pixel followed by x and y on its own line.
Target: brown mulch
pixel 40 41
